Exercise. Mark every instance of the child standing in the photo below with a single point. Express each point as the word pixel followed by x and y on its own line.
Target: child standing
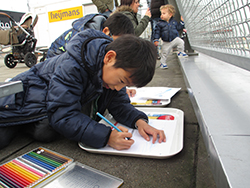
pixel 167 29
pixel 65 92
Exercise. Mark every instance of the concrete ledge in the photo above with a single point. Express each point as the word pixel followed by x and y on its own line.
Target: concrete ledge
pixel 8 88
pixel 220 94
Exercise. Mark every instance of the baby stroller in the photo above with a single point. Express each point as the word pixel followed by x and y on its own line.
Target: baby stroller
pixel 22 41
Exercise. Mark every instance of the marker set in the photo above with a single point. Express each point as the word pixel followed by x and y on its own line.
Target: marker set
pixel 31 168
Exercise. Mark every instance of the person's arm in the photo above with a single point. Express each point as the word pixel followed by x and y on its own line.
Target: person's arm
pixel 141 26
pixel 139 29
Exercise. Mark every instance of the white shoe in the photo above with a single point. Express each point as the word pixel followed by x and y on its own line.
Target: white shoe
pixel 163 66
pixel 182 54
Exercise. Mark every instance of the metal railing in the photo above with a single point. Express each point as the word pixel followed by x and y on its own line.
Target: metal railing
pixel 218 26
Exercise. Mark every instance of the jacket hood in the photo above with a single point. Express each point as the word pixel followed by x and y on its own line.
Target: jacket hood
pixel 124 8
pixel 88 49
pixel 90 21
pixel 93 50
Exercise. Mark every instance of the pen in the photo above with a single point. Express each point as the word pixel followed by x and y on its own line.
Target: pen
pixel 112 125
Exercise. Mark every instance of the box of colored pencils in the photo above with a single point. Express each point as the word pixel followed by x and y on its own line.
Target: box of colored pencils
pixel 42 167
pixel 32 168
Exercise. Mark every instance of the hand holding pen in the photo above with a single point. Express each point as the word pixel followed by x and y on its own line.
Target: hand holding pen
pixel 118 138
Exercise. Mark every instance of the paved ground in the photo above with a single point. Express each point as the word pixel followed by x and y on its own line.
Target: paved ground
pixel 189 168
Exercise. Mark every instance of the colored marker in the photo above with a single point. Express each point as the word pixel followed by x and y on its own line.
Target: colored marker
pixel 111 124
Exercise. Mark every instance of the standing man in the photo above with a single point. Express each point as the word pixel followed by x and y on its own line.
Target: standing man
pixel 105 7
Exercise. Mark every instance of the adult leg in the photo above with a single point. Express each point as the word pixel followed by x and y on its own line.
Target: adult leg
pixel 152 29
pixel 42 131
pixel 153 24
pixel 7 134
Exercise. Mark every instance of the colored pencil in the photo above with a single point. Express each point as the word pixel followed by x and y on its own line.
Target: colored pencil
pixel 10 175
pixel 51 156
pixel 66 160
pixel 29 172
pixel 18 173
pixel 44 159
pixel 9 181
pixel 40 163
pixel 30 168
pixel 44 170
pixel 111 124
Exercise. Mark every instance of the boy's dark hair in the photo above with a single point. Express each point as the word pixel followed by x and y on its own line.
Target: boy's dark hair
pixel 135 55
pixel 119 24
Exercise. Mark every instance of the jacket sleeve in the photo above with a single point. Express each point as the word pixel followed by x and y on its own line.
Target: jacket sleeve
pixel 123 111
pixel 141 26
pixel 180 25
pixel 64 106
pixel 58 46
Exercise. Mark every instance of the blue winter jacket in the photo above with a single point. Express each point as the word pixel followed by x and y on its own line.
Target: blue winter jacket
pixel 167 31
pixel 60 87
pixel 90 21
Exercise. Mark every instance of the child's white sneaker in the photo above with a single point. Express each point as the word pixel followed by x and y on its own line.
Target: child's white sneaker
pixel 182 54
pixel 163 66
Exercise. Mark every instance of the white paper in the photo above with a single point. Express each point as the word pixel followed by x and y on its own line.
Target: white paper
pixel 161 93
pixel 143 147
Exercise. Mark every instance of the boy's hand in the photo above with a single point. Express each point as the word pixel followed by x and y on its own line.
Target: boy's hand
pixel 156 43
pixel 145 130
pixel 131 92
pixel 117 140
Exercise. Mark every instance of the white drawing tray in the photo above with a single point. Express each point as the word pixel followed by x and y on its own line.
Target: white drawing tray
pixel 142 148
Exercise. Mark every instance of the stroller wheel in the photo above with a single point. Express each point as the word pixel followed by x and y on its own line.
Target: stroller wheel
pixel 30 59
pixel 9 61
